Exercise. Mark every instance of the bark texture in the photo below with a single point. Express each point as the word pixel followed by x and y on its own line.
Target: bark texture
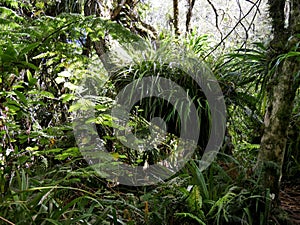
pixel 277 117
pixel 176 17
pixel 281 94
pixel 189 14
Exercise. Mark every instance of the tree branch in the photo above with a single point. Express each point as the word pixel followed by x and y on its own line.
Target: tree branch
pixel 230 32
pixel 116 11
pixel 216 13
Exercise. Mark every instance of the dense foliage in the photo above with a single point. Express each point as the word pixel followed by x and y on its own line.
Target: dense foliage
pixel 48 49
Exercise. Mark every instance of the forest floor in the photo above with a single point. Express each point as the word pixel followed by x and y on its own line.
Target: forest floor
pixel 290 200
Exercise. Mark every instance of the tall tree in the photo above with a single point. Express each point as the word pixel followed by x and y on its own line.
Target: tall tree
pixel 189 14
pixel 284 52
pixel 176 17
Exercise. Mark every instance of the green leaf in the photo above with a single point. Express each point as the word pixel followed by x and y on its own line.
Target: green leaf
pixel 101 108
pixel 74 107
pixel 45 54
pixel 6 12
pixel 45 94
pixel 10 51
pixel 70 152
pixel 290 54
pixel 29 65
pixel 28 48
pixel 22 97
pixel 190 215
pixel 82 104
pixel 12 105
pixel 15 87
pixel 8 23
pixel 32 81
pixel 67 97
pixel 35 148
pixel 199 179
pixel 55 222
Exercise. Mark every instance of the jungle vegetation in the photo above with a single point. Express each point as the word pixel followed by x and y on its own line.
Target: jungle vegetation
pixel 48 48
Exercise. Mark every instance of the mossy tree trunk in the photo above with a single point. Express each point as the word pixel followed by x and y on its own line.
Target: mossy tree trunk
pixel 281 92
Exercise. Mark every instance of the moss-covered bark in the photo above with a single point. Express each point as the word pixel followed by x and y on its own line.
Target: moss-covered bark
pixel 281 94
pixel 276 121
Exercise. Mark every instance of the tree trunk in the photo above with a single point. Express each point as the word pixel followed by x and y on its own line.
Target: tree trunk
pixel 189 14
pixel 281 93
pixel 277 117
pixel 176 17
